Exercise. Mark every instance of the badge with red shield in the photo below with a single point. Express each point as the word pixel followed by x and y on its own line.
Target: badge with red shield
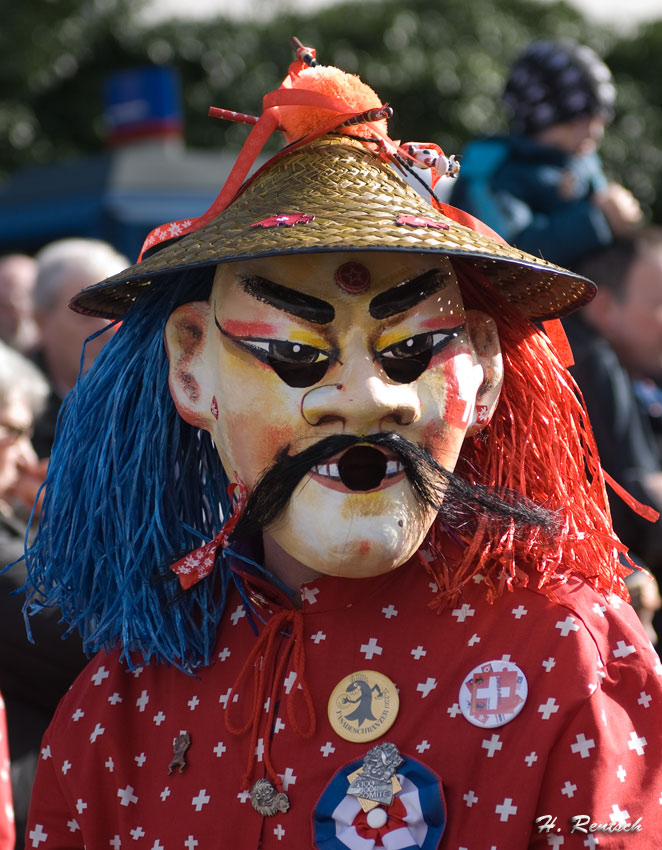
pixel 493 693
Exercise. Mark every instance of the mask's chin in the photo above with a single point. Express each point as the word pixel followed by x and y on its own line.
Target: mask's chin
pixel 351 534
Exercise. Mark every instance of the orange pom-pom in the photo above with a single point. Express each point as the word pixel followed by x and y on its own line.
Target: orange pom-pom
pixel 299 121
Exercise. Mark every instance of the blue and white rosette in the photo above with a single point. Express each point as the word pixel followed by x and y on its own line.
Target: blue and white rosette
pixel 415 820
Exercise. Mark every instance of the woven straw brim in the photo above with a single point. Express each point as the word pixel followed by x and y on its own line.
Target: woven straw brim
pixel 354 201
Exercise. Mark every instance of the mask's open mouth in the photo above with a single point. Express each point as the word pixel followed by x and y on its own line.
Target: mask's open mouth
pixel 360 469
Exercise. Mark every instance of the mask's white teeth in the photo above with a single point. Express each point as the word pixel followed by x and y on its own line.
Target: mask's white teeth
pixel 393 467
pixel 327 470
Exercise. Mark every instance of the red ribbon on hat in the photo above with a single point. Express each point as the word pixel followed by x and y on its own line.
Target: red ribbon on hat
pixel 263 127
pixel 197 565
pixel 257 138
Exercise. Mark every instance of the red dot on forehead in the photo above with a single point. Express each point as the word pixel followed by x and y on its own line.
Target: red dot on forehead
pixel 352 278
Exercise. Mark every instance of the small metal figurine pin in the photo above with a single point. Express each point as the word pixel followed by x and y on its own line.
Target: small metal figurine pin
pixel 180 745
pixel 373 781
pixel 267 800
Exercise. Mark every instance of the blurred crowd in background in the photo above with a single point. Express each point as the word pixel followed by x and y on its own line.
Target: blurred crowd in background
pixel 40 358
pixel 532 172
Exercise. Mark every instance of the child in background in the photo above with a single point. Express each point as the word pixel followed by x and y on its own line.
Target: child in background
pixel 542 186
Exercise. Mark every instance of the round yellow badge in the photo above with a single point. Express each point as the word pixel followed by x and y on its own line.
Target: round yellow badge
pixel 363 706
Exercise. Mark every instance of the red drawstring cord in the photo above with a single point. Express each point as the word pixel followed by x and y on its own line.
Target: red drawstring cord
pixel 260 662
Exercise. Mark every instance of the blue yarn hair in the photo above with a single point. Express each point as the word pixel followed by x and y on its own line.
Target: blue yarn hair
pixel 130 488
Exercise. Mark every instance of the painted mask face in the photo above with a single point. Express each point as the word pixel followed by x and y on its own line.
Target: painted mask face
pixel 291 350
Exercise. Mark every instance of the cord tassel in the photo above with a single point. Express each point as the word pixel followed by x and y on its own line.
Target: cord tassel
pixel 266 669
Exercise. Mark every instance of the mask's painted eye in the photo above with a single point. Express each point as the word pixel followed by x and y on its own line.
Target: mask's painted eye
pixel 296 364
pixel 406 361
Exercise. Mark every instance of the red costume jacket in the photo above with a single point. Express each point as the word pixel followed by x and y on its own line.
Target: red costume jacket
pixel 569 729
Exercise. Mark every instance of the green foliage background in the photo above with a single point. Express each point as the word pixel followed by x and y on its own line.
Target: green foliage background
pixel 441 65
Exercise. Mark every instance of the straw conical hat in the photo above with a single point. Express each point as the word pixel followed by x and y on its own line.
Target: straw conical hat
pixel 335 194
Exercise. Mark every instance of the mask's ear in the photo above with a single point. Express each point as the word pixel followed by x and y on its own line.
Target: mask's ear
pixel 186 343
pixel 484 338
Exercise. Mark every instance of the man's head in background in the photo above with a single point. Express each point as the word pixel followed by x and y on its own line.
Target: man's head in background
pixel 17 280
pixel 627 311
pixel 63 267
pixel 23 393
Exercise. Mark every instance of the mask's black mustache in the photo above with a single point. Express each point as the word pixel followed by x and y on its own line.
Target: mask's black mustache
pixel 432 484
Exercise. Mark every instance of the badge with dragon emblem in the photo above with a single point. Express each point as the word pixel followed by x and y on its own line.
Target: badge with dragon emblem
pixel 363 706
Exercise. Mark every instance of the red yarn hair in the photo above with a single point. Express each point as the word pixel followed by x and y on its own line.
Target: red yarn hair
pixel 539 444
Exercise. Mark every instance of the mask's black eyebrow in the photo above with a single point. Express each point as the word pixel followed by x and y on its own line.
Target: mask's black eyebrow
pixel 406 295
pixel 289 300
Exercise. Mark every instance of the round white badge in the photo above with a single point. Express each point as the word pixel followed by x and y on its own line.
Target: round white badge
pixel 493 693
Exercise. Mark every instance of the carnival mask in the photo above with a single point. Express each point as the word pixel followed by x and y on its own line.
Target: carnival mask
pixel 310 371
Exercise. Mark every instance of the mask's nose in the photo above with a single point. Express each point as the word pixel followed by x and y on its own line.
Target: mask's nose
pixel 365 402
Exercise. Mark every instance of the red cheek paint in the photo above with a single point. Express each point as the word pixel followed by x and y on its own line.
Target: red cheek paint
pixel 364 547
pixel 235 327
pixel 456 409
pixel 273 439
